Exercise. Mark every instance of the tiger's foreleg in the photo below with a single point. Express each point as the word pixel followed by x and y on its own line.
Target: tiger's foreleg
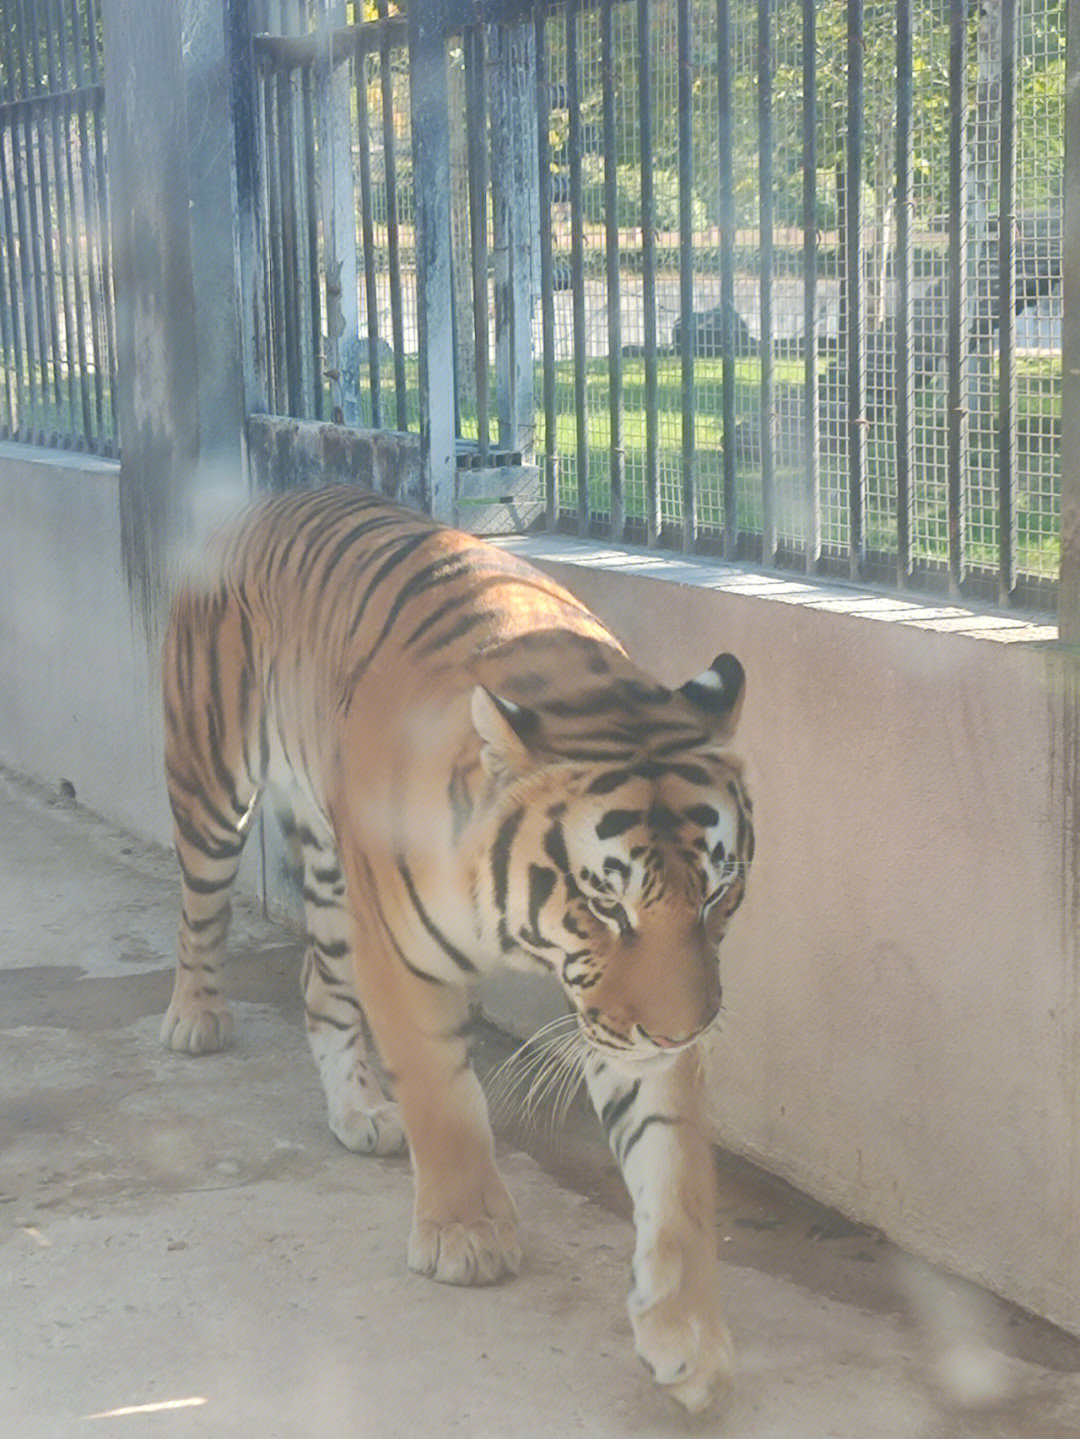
pixel 464 1227
pixel 656 1129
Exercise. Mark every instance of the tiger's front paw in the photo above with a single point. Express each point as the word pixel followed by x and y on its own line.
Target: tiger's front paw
pixel 680 1334
pixel 197 1026
pixel 473 1243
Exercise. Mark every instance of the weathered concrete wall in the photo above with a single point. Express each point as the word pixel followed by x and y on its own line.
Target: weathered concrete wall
pixel 79 691
pixel 284 452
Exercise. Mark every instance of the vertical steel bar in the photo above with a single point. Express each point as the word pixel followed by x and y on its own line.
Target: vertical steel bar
pixel 957 454
pixel 812 421
pixel 393 233
pixel 277 327
pixel 686 270
pixel 653 518
pixel 95 218
pixel 476 127
pixel 78 234
pixel 617 449
pixel 904 359
pixel 854 280
pixel 547 294
pixel 289 250
pixel 577 267
pixel 29 248
pixel 40 109
pixel 10 358
pixel 313 299
pixel 1007 516
pixel 367 235
pixel 726 182
pixel 1069 573
pixel 767 391
pixel 67 353
pixel 9 147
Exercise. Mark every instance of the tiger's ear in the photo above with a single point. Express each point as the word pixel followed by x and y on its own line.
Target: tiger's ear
pixel 506 729
pixel 718 693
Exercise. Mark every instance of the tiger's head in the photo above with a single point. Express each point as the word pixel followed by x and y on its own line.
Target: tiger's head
pixel 622 847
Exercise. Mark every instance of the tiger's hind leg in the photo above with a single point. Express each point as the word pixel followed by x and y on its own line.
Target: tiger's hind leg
pixel 359 1113
pixel 214 762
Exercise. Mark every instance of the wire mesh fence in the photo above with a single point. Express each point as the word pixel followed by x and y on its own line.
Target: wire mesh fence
pixel 837 268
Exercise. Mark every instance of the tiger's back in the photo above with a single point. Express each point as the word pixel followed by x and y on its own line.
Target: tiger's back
pixel 469 772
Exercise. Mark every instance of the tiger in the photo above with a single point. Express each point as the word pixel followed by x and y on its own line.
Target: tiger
pixel 469 772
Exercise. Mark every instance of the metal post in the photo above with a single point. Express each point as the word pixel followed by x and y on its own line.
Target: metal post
pixel 853 259
pixel 1069 590
pixel 686 271
pixel 726 179
pixel 957 456
pixel 431 180
pixel 812 427
pixel 904 367
pixel 617 451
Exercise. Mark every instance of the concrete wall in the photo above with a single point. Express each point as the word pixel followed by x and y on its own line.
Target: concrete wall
pixel 902 986
pixel 79 689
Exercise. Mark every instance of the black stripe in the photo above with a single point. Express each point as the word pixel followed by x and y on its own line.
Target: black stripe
pixel 632 1139
pixel 617 1106
pixel 612 779
pixel 555 848
pixel 416 972
pixel 400 550
pixel 461 960
pixel 617 821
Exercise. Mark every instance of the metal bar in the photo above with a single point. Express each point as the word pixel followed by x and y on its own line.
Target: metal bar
pixel 290 243
pixel 66 249
pixel 430 131
pixel 957 453
pixel 653 518
pixel 476 125
pixel 577 278
pixel 276 326
pixel 346 41
pixel 8 302
pixel 9 143
pixel 856 356
pixel 393 234
pixel 726 178
pixel 29 250
pixel 367 238
pixel 96 211
pixel 79 298
pixel 686 271
pixel 812 425
pixel 767 393
pixel 617 446
pixel 547 295
pixel 1068 598
pixel 32 105
pixel 1007 515
pixel 45 219
pixel 244 114
pixel 312 302
pixel 904 358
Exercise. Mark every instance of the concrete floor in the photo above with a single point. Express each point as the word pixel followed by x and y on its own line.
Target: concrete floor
pixel 185 1250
